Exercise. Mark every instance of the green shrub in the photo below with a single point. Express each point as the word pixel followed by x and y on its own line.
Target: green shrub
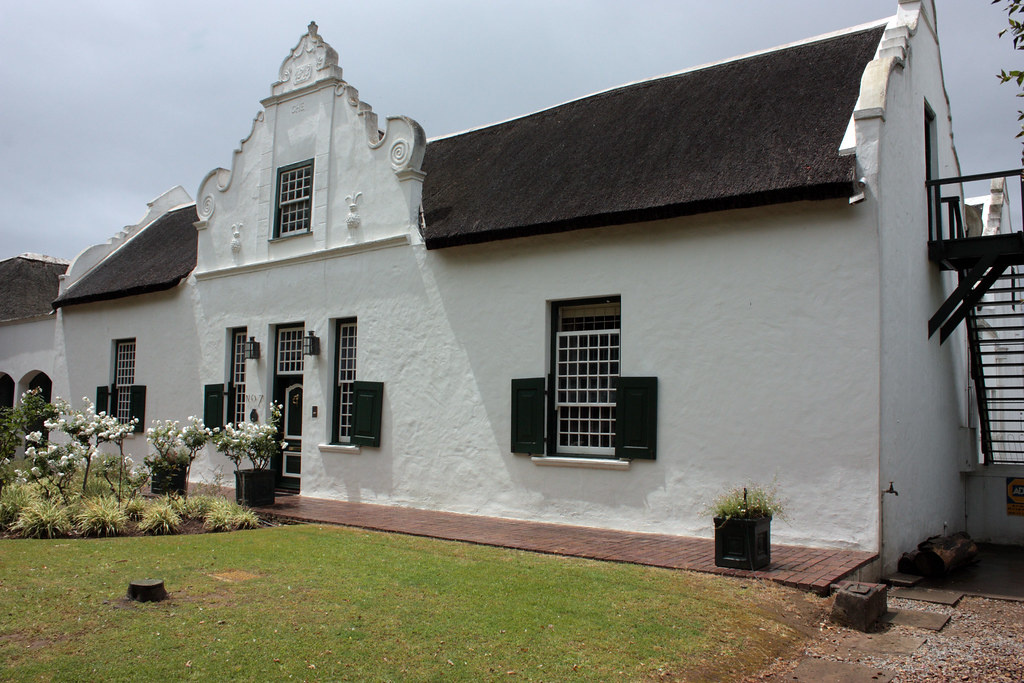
pixel 12 500
pixel 101 517
pixel 160 518
pixel 43 519
pixel 227 516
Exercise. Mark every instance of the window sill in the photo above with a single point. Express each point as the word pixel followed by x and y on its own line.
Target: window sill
pixel 283 238
pixel 586 463
pixel 340 448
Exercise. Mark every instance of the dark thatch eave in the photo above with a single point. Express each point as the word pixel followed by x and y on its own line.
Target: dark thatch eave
pixel 156 259
pixel 761 130
pixel 27 286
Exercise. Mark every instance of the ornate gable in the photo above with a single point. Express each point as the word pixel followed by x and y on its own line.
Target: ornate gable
pixel 316 175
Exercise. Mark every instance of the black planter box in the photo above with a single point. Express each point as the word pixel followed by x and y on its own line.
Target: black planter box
pixel 743 543
pixel 255 488
pixel 169 482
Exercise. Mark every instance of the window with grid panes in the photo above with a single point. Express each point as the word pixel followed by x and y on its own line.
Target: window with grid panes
pixel 237 376
pixel 124 378
pixel 289 350
pixel 345 360
pixel 586 363
pixel 294 199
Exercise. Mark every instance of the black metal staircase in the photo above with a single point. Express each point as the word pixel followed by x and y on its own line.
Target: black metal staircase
pixel 990 297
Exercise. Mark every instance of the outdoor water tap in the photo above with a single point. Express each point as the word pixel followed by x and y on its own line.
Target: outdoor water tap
pixel 891 490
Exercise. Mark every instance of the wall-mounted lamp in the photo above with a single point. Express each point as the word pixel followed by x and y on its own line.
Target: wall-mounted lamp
pixel 252 349
pixel 311 344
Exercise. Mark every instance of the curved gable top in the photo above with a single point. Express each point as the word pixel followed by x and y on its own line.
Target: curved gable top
pixel 760 130
pixel 310 61
pixel 157 258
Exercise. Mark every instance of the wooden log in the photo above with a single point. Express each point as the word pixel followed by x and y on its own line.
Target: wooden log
pixel 147 590
pixel 907 563
pixel 939 555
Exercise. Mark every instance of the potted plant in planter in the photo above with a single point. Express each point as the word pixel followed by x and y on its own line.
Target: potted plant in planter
pixel 258 444
pixel 176 448
pixel 743 518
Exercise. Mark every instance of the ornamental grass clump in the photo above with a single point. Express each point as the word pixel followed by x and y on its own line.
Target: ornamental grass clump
pixel 134 509
pixel 196 507
pixel 227 516
pixel 748 502
pixel 13 499
pixel 43 519
pixel 160 519
pixel 101 517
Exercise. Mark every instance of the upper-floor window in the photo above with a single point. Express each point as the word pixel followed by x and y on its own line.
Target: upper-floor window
pixel 294 199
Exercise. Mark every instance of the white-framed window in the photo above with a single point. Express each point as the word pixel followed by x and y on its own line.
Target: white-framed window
pixel 124 378
pixel 237 379
pixel 345 377
pixel 294 199
pixel 289 350
pixel 585 366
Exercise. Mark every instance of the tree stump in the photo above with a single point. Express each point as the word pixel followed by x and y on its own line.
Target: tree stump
pixel 147 590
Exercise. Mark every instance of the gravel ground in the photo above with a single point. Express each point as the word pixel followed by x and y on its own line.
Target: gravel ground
pixel 983 641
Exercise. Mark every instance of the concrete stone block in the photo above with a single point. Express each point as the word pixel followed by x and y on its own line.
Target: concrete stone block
pixel 859 605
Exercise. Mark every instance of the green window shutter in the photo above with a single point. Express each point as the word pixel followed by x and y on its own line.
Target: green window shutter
pixel 367 401
pixel 137 406
pixel 213 406
pixel 229 400
pixel 528 416
pixel 103 399
pixel 636 417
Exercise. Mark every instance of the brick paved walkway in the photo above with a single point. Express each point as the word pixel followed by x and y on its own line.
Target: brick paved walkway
pixel 812 569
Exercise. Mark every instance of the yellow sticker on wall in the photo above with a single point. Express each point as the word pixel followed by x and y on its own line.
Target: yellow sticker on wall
pixel 1015 496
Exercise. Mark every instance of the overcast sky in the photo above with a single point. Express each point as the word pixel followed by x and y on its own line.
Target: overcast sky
pixel 108 104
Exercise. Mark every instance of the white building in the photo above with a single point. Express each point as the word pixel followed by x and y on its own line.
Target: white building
pixel 603 313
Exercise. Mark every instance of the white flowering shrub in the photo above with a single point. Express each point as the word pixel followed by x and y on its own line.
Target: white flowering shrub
pixel 176 445
pixel 254 441
pixel 53 466
pixel 15 423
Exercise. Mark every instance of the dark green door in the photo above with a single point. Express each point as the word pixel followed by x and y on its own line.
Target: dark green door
pixel 291 419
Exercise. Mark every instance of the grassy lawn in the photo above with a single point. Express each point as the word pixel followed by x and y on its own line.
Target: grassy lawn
pixel 326 603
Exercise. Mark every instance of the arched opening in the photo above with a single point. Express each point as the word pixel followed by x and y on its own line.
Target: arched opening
pixel 6 391
pixel 45 385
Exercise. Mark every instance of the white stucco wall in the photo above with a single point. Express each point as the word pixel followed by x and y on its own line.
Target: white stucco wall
pixel 166 345
pixel 924 440
pixel 28 349
pixel 989 519
pixel 758 331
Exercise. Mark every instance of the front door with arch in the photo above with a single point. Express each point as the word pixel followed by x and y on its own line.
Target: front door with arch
pixel 288 392
pixel 291 421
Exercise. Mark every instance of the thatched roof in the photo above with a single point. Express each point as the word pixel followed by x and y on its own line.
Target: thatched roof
pixel 759 130
pixel 28 284
pixel 159 257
